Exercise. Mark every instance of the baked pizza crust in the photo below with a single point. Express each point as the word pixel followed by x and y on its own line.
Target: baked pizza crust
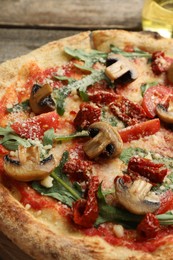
pixel 34 237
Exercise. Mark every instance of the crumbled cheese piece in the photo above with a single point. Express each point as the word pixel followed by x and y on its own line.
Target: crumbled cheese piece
pixel 47 182
pixel 27 206
pixel 118 230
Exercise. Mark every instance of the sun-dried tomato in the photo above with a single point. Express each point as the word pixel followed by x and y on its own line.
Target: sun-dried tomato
pixel 148 227
pixel 102 97
pixel 166 202
pixel 160 63
pixel 85 212
pixel 87 115
pixel 155 172
pixel 129 112
pixel 77 169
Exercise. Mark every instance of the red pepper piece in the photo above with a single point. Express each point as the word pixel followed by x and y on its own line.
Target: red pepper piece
pixel 35 127
pixel 77 169
pixel 85 212
pixel 155 172
pixel 87 115
pixel 129 112
pixel 166 203
pixel 139 130
pixel 149 226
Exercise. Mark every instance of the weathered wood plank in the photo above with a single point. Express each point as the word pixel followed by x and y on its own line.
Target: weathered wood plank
pixel 8 251
pixel 16 42
pixel 72 14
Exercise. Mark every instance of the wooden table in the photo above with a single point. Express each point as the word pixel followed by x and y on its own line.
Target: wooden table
pixel 28 24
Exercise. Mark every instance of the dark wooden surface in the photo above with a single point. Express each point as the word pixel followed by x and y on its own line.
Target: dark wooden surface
pixel 27 24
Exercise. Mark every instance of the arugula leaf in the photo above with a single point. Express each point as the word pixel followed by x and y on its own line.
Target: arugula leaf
pixel 88 57
pixel 136 53
pixel 10 140
pixel 50 136
pixel 64 78
pixel 59 95
pixel 23 106
pixel 62 189
pixel 145 86
pixel 130 152
pixel 109 213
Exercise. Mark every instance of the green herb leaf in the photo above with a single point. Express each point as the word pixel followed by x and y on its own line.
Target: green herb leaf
pixel 109 213
pixel 71 136
pixel 128 153
pixel 136 53
pixel 62 189
pixel 49 136
pixel 59 95
pixel 23 106
pixel 10 140
pixel 64 78
pixel 88 57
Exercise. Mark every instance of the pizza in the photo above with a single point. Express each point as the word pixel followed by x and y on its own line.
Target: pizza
pixel 86 147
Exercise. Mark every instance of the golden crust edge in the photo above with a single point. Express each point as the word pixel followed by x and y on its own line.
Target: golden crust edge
pixel 77 248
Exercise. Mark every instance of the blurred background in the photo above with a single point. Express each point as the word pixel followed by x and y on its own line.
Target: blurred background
pixel 28 24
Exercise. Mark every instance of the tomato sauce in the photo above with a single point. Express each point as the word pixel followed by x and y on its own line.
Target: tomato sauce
pixel 130 238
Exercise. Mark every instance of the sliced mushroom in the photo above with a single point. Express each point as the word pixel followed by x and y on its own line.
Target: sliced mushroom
pixel 166 115
pixel 119 69
pixel 105 140
pixel 41 100
pixel 136 196
pixel 28 167
pixel 170 73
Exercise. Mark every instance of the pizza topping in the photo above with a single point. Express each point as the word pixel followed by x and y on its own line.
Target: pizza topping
pixel 85 212
pixel 130 52
pixel 41 100
pixel 35 127
pixel 59 95
pixel 27 166
pixel 149 226
pixel 106 140
pixel 129 112
pixel 165 115
pixel 160 63
pixel 155 172
pixel 87 115
pixel 136 196
pixel 170 74
pixel 119 69
pixel 153 96
pixel 77 169
pixel 140 130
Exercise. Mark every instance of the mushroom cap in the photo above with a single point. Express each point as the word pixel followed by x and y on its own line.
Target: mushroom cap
pixel 136 196
pixel 28 166
pixel 40 99
pixel 106 137
pixel 165 115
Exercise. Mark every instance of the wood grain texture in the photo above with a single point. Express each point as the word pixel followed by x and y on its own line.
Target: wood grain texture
pixel 16 42
pixel 8 251
pixel 72 14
